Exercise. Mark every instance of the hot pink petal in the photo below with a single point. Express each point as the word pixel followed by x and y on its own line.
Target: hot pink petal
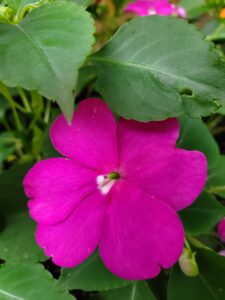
pixel 55 186
pixel 72 241
pixel 139 8
pixel 134 137
pixel 172 175
pixel 221 230
pixel 164 9
pixel 151 7
pixel 91 137
pixel 141 234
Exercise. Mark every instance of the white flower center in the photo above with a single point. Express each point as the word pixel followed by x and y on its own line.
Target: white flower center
pixel 151 11
pixel 106 182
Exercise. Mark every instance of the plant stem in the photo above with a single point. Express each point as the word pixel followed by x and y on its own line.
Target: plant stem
pixel 5 92
pixel 24 99
pixel 47 111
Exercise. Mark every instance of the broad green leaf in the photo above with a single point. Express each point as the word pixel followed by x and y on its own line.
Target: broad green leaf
pixel 17 241
pixel 152 69
pixel 202 215
pixel 136 291
pixel 17 230
pixel 209 285
pixel 216 178
pixel 195 135
pixel 84 3
pixel 187 288
pixel 29 282
pixel 91 275
pixel 12 198
pixel 46 49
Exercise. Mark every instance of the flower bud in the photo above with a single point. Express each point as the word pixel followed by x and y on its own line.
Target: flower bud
pixel 188 263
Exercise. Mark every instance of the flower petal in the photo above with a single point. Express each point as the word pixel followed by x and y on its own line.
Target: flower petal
pixel 139 8
pixel 148 158
pixel 72 241
pixel 55 187
pixel 141 234
pixel 137 137
pixel 90 138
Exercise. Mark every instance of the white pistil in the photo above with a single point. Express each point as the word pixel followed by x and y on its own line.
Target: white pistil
pixel 104 183
pixel 151 11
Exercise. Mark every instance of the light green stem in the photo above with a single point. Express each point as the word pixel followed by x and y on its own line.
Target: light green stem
pixel 24 99
pixel 5 92
pixel 47 111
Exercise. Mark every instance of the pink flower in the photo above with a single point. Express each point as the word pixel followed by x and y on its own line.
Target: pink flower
pixel 221 252
pixel 119 190
pixel 155 7
pixel 221 230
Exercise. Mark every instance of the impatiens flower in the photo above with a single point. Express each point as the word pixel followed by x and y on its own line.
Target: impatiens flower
pixel 117 188
pixel 221 252
pixel 221 230
pixel 155 7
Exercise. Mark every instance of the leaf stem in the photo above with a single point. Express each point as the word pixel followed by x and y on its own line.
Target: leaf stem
pixel 47 111
pixel 24 99
pixel 5 92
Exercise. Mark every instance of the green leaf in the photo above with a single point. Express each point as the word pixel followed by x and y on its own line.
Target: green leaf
pixel 195 135
pixel 17 230
pixel 186 288
pixel 86 75
pixel 202 215
pixel 216 178
pixel 152 69
pixel 17 5
pixel 84 3
pixel 219 33
pixel 91 275
pixel 136 291
pixel 46 49
pixel 6 145
pixel 12 198
pixel 17 242
pixel 3 107
pixel 29 282
pixel 209 285
pixel 194 8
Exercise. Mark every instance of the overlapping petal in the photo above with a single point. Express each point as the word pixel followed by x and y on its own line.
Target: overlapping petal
pixel 134 137
pixel 90 138
pixel 151 161
pixel 72 241
pixel 140 234
pixel 55 186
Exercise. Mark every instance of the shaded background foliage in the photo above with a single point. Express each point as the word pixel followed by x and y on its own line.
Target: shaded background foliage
pixel 187 81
